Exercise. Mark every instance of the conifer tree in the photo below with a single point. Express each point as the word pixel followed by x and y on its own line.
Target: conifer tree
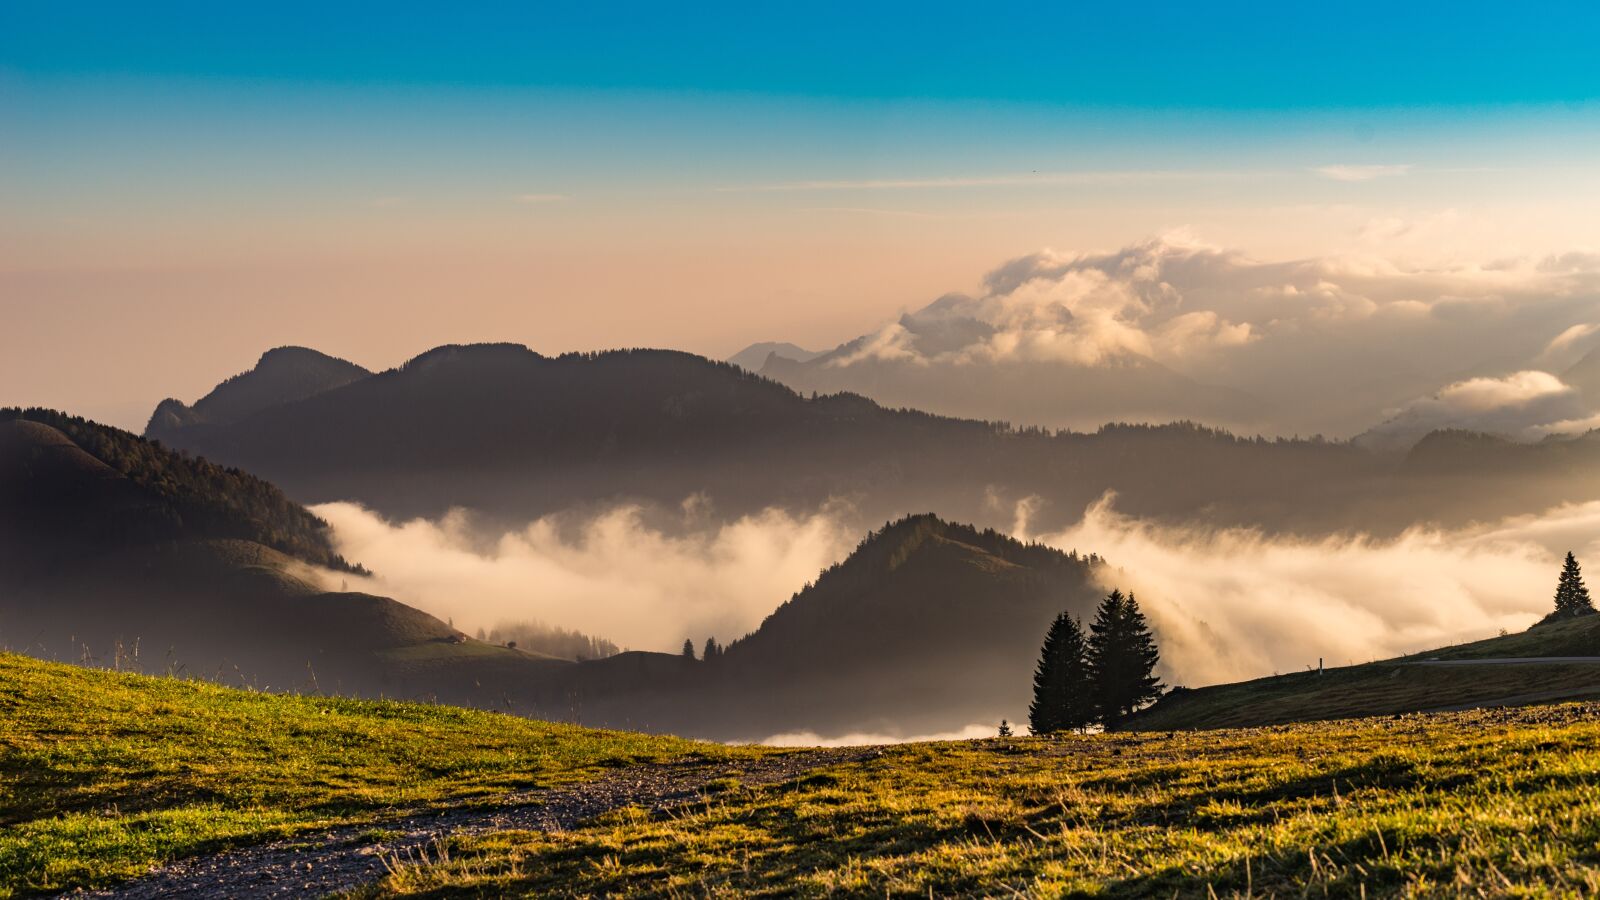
pixel 1061 698
pixel 1572 597
pixel 688 648
pixel 1005 729
pixel 1122 659
pixel 712 650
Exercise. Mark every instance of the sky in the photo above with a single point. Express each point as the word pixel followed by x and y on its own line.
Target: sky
pixel 184 185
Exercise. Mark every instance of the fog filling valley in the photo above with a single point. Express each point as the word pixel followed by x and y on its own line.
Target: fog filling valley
pixel 1227 603
pixel 612 575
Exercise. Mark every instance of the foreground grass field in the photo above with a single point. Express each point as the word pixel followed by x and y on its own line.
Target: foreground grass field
pixel 1487 803
pixel 104 774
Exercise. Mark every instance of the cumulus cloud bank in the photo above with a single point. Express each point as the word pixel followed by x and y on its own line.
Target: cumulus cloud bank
pixel 1326 345
pixel 612 575
pixel 1523 406
pixel 1229 604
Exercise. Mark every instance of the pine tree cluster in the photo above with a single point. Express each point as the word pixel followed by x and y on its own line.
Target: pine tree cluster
pixel 1098 678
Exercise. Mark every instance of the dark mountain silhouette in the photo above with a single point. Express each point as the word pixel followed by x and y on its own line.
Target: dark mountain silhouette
pixel 282 375
pixel 508 432
pixel 755 356
pixel 117 551
pixel 73 479
pixel 926 627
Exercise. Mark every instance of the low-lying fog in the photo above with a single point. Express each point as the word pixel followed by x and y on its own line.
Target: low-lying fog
pixel 1226 604
pixel 617 575
pixel 1231 604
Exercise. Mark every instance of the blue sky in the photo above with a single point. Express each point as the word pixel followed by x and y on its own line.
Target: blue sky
pixel 1235 55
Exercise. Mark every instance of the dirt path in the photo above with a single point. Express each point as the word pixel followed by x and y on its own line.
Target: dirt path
pixel 348 857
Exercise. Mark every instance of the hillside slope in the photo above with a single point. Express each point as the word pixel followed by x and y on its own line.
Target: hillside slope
pixel 1482 804
pixel 117 552
pixel 109 773
pixel 1448 678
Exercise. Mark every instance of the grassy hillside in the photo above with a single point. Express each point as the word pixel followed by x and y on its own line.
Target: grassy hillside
pixel 104 774
pixel 1489 803
pixel 1407 684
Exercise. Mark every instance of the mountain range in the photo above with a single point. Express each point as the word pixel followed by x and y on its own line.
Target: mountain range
pixel 508 432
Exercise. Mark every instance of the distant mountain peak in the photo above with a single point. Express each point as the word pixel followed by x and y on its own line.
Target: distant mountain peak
pixel 483 352
pixel 755 356
pixel 282 375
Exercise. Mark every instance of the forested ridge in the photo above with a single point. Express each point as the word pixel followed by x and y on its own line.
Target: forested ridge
pixel 199 497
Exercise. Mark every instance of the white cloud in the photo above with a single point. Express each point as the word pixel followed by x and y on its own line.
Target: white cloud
pixel 1326 344
pixel 1572 336
pixel 1524 405
pixel 612 574
pixel 1361 172
pixel 1229 604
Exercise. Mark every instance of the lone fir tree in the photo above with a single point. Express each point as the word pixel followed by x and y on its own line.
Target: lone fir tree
pixel 1572 598
pixel 1122 659
pixel 1005 729
pixel 1061 686
pixel 688 648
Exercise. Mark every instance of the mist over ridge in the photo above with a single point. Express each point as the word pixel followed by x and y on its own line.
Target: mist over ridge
pixel 1173 328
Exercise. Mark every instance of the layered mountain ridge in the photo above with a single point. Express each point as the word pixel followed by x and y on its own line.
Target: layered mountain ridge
pixel 514 434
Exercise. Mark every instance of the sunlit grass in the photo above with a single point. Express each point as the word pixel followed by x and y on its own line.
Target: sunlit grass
pixel 1487 803
pixel 103 775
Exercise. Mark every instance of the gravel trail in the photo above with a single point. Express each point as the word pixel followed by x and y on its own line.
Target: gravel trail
pixel 345 858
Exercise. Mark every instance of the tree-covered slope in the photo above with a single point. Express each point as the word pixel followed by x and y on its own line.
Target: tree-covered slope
pixel 116 551
pixel 178 495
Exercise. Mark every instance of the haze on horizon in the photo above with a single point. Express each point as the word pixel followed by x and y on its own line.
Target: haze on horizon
pixel 181 190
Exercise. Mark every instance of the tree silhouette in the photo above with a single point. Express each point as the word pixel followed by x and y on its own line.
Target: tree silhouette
pixel 1005 729
pixel 712 650
pixel 1061 688
pixel 688 648
pixel 1572 598
pixel 1122 659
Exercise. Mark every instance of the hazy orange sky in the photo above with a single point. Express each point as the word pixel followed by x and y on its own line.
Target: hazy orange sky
pixel 173 204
